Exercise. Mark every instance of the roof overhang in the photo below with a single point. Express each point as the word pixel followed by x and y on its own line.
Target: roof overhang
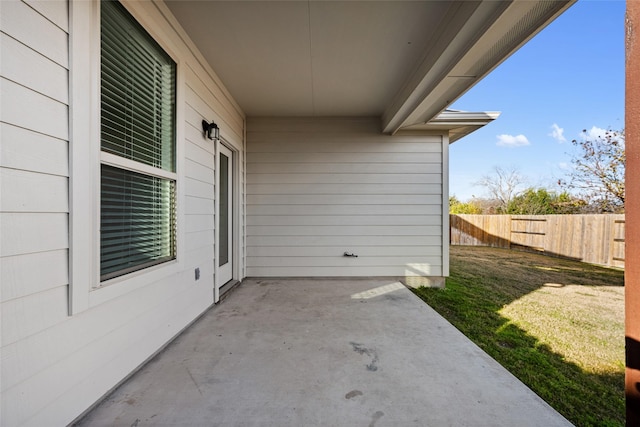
pixel 402 61
pixel 478 41
pixel 457 124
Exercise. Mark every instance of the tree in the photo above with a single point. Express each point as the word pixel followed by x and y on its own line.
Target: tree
pixel 502 185
pixel 458 207
pixel 599 168
pixel 543 202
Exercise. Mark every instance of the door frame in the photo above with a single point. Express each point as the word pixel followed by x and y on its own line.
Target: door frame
pixel 234 217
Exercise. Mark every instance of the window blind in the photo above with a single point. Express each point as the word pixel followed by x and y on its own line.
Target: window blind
pixel 137 221
pixel 137 91
pixel 137 211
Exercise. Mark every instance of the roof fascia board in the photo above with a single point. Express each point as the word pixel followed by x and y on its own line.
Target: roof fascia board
pixel 456 124
pixel 523 21
pixel 464 116
pixel 516 24
pixel 454 119
pixel 463 24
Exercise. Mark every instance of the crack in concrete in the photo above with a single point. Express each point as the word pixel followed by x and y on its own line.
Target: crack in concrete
pixel 194 381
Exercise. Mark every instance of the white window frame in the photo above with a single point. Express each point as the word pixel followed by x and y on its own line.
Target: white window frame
pixel 86 157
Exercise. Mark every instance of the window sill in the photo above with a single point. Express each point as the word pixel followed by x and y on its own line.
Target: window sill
pixel 119 286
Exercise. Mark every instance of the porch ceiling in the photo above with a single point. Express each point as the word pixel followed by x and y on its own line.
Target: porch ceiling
pixel 404 61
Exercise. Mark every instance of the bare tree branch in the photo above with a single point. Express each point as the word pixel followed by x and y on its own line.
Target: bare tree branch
pixel 599 167
pixel 502 185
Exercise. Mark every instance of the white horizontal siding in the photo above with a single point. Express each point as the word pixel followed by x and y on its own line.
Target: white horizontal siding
pixel 341 241
pixel 199 239
pixel 26 233
pixel 351 209
pixel 34 29
pixel 203 104
pixel 31 69
pixel 349 271
pixel 204 100
pixel 34 170
pixel 28 150
pixel 195 223
pixel 64 339
pixel 56 11
pixel 199 155
pixel 199 165
pixel 198 171
pixel 19 276
pixel 331 251
pixel 136 344
pixel 343 230
pixel 317 188
pixel 368 158
pixel 197 205
pixel 343 220
pixel 26 108
pixel 340 261
pixel 350 189
pixel 23 317
pixel 197 188
pixel 202 258
pixel 340 168
pixel 39 192
pixel 346 178
pixel 122 344
pixel 343 199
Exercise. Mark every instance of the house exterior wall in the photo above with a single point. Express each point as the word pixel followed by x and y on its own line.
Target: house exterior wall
pixel 57 361
pixel 317 188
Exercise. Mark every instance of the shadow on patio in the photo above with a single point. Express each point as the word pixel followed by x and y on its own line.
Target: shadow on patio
pixel 359 352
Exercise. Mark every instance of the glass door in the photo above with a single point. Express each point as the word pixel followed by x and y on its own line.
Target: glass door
pixel 224 214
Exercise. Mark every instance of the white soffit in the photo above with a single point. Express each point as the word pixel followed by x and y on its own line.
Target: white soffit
pixel 299 58
pixel 403 61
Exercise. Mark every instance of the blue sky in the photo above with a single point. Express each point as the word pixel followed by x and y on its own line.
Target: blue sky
pixel 568 78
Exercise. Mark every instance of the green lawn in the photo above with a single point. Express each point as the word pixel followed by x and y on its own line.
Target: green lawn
pixel 556 324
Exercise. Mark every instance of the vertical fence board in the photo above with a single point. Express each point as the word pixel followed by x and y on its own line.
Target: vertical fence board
pixel 616 257
pixel 596 239
pixel 528 231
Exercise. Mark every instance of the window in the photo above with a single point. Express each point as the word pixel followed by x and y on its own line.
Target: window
pixel 137 143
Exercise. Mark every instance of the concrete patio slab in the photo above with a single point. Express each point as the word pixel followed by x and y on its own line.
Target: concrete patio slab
pixel 320 352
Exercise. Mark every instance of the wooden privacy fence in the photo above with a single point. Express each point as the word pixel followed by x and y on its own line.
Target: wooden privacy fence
pixel 596 239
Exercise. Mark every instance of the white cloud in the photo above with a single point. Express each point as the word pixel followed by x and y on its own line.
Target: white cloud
pixel 557 133
pixel 565 166
pixel 594 132
pixel 505 140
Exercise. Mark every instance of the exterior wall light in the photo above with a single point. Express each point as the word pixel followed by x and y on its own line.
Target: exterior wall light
pixel 211 130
